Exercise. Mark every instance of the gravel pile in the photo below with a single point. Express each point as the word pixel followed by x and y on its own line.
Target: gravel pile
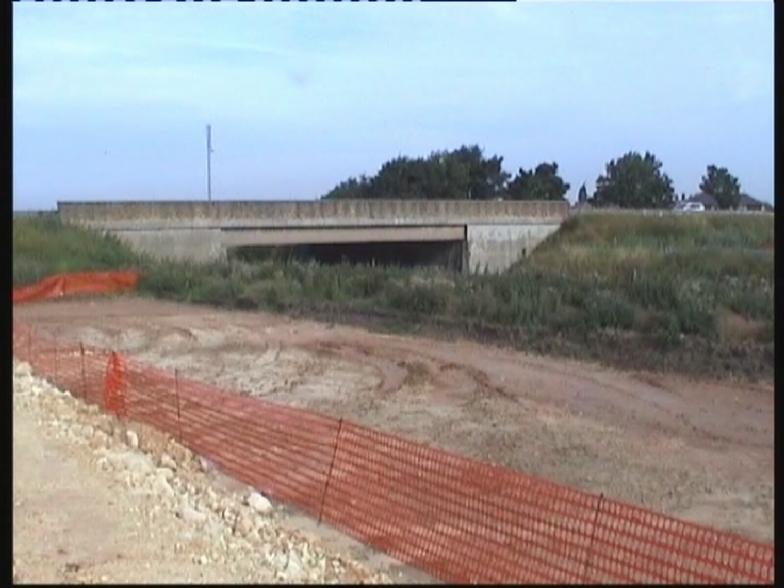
pixel 239 529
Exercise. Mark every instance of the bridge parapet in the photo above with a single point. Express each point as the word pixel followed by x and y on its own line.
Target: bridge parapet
pixel 322 213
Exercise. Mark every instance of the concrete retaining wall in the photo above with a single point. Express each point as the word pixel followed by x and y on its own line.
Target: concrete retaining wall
pixel 496 247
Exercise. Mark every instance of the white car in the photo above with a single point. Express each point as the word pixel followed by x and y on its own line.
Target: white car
pixel 690 207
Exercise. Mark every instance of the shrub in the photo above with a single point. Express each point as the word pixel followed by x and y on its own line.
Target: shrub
pixel 696 309
pixel 417 298
pixel 365 283
pixel 215 290
pixel 44 246
pixel 653 290
pixel 603 309
pixel 666 332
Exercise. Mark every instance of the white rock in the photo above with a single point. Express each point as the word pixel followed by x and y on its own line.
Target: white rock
pixel 213 529
pixel 137 463
pixel 132 439
pixel 161 486
pixel 99 439
pixel 166 461
pixel 190 514
pixel 22 368
pixel 279 560
pixel 181 455
pixel 259 503
pixel 107 426
pixel 203 464
pixel 166 473
pixel 244 524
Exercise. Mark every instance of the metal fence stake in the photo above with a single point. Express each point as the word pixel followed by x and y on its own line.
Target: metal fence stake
pixel 586 566
pixel 177 397
pixel 84 376
pixel 331 465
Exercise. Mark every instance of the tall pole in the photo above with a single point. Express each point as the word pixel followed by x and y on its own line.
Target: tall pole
pixel 209 151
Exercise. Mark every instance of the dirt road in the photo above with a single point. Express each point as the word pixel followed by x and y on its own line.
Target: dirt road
pixel 699 450
pixel 91 506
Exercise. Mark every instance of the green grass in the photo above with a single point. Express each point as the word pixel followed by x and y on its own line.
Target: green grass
pixel 43 246
pixel 687 293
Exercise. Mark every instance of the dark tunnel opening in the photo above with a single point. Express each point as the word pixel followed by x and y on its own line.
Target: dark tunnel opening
pixel 445 254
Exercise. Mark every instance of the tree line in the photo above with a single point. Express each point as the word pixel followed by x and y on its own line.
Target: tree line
pixel 633 180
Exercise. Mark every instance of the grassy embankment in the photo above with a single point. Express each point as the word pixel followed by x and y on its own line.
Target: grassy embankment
pixel 686 293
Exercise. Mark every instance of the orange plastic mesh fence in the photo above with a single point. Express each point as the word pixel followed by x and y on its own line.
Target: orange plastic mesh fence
pixel 458 519
pixel 76 283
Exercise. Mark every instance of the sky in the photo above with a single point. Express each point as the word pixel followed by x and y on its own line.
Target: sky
pixel 110 100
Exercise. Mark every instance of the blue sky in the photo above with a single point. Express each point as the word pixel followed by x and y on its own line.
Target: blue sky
pixel 111 100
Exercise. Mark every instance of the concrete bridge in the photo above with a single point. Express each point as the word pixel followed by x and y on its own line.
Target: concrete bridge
pixel 492 235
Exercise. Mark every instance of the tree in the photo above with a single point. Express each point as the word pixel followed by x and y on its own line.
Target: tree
pixel 351 188
pixel 634 181
pixel 542 183
pixel 486 177
pixel 463 173
pixel 582 195
pixel 722 185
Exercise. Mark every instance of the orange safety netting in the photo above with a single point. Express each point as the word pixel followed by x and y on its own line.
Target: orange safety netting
pixel 114 386
pixel 461 520
pixel 77 283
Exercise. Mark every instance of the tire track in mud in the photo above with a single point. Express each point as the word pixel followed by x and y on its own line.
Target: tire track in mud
pixel 393 373
pixel 424 369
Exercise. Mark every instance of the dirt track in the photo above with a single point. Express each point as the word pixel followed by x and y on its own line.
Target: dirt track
pixel 695 449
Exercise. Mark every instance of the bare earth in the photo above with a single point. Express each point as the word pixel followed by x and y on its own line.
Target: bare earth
pixel 699 450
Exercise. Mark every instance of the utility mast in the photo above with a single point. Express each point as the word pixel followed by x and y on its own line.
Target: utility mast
pixel 209 152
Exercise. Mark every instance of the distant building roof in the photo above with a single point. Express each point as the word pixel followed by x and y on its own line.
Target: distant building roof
pixel 707 200
pixel 747 201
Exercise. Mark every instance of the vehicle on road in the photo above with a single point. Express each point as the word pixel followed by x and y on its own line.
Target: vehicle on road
pixel 690 207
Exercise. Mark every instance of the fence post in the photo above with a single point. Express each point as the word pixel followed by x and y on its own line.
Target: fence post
pixel 55 360
pixel 331 465
pixel 30 345
pixel 84 376
pixel 588 555
pixel 177 397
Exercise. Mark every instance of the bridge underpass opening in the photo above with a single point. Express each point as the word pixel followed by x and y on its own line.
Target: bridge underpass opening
pixel 445 254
